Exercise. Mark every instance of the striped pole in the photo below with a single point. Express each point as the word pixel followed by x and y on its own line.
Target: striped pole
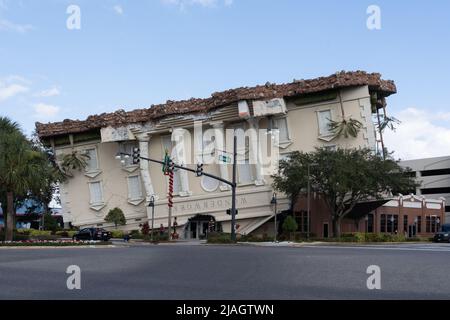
pixel 170 202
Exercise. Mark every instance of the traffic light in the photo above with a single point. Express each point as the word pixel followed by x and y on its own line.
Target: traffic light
pixel 199 171
pixel 136 155
pixel 166 165
pixel 171 166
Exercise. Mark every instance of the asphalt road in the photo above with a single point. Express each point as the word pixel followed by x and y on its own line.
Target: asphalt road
pixel 227 272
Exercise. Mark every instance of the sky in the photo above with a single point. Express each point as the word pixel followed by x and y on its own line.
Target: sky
pixel 132 54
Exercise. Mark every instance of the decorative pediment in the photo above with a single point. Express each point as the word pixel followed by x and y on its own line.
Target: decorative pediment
pixel 130 168
pixel 135 202
pixel 92 174
pixel 97 206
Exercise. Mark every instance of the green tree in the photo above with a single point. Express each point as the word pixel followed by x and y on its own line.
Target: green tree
pixel 343 177
pixel 289 225
pixel 116 216
pixel 25 171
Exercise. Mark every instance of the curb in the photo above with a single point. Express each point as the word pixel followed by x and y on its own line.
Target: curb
pixel 56 247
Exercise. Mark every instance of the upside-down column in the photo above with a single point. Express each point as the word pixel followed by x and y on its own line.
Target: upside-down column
pixel 144 140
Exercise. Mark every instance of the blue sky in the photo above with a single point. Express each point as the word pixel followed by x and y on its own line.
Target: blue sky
pixel 131 54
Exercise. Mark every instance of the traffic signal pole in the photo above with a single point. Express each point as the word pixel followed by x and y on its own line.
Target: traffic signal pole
pixel 233 192
pixel 137 157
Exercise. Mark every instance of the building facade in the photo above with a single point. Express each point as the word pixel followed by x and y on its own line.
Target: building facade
pixel 286 118
pixel 406 215
pixel 433 177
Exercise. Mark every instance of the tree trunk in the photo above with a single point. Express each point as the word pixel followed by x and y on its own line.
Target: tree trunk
pixel 336 227
pixel 9 216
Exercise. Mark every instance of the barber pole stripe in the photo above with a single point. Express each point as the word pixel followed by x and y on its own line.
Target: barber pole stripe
pixel 170 196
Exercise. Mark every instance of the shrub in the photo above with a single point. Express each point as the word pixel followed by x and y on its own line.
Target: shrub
pixel 290 225
pixel 64 234
pixel 217 237
pixel 50 223
pixel 117 233
pixel 116 216
pixel 145 228
pixel 25 232
pixel 35 233
pixel 254 238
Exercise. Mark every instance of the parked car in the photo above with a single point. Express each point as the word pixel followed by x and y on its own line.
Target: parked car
pixel 92 234
pixel 443 235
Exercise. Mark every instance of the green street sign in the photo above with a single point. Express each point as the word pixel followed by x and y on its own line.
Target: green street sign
pixel 225 159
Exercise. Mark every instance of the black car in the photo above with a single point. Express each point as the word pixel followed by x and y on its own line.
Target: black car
pixel 443 235
pixel 92 234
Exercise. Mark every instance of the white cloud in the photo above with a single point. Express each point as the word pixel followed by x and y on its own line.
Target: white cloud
pixel 9 91
pixel 49 92
pixel 12 85
pixel 7 25
pixel 421 134
pixel 45 111
pixel 118 9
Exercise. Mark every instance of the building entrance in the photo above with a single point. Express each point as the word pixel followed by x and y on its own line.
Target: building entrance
pixel 199 226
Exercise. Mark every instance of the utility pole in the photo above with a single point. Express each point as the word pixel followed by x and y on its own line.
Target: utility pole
pixel 233 191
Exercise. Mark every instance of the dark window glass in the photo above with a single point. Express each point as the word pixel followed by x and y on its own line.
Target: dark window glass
pixel 383 223
pixel 434 224
pixel 419 224
pixel 438 172
pixel 435 190
pixel 428 224
pixel 447 208
pixel 405 223
pixel 370 223
pixel 302 221
pixel 390 224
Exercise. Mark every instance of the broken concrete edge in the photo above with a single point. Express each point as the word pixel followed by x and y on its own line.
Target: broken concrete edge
pixel 220 99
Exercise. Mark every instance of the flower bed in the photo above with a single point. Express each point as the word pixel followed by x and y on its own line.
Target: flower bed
pixel 51 243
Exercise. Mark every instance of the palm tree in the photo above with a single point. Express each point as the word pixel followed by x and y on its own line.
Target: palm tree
pixel 12 175
pixel 23 170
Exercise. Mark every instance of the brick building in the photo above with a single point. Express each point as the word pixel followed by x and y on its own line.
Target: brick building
pixel 413 215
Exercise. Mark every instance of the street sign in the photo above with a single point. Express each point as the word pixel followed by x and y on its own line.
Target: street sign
pixel 229 212
pixel 224 158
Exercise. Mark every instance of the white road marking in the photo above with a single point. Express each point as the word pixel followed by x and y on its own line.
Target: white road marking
pixel 380 247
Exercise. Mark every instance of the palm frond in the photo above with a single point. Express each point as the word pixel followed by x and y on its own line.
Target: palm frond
pixel 388 122
pixel 345 128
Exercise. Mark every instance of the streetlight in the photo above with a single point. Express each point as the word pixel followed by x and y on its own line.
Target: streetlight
pixel 151 204
pixel 273 202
